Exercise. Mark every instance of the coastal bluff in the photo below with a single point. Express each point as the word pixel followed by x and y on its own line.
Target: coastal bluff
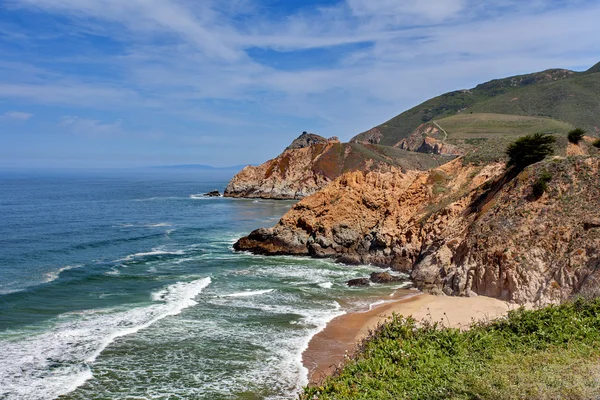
pixel 459 229
pixel 311 162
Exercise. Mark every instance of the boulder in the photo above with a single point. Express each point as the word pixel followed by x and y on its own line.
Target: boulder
pixel 213 193
pixel 359 282
pixel 384 277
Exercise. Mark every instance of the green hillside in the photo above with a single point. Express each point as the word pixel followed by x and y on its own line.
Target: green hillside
pixel 486 136
pixel 572 97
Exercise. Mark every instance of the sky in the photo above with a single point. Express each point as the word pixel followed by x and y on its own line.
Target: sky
pixel 125 83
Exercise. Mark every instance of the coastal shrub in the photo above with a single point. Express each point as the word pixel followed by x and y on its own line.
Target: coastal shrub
pixel 550 353
pixel 540 186
pixel 576 135
pixel 529 149
pixel 596 143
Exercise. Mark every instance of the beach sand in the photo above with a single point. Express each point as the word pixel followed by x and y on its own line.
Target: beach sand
pixel 328 347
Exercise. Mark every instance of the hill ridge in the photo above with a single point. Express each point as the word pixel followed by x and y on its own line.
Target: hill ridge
pixel 561 94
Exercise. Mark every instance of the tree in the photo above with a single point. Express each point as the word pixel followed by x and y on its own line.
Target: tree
pixel 596 143
pixel 576 135
pixel 529 149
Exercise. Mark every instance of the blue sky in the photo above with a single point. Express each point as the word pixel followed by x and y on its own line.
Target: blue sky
pixel 118 83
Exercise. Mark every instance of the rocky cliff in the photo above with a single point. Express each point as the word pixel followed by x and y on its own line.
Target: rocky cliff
pixel 459 229
pixel 312 161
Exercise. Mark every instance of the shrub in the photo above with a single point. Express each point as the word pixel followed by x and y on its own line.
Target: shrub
pixel 576 135
pixel 529 149
pixel 550 353
pixel 596 143
pixel 540 186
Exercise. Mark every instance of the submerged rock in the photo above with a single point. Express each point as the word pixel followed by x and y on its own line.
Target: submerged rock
pixel 359 282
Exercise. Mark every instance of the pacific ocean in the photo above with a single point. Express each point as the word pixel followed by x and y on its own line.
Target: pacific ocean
pixel 124 284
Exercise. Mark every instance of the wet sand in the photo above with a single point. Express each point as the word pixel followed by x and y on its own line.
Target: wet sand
pixel 328 347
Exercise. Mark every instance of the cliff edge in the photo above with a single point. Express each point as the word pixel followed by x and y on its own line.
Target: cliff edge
pixel 311 162
pixel 459 229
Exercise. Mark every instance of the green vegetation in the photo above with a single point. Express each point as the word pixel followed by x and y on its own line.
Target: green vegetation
pixel 485 137
pixel 540 186
pixel 551 353
pixel 560 94
pixel 576 135
pixel 596 143
pixel 529 150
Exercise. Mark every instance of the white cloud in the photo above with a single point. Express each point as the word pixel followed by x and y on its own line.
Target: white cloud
pixel 89 127
pixel 193 59
pixel 16 115
pixel 411 11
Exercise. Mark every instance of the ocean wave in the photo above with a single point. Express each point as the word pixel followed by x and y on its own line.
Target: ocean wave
pixel 58 361
pixel 280 368
pixel 203 197
pixel 158 225
pixel 319 321
pixel 149 225
pixel 160 198
pixel 153 252
pixel 325 285
pixel 54 275
pixel 249 293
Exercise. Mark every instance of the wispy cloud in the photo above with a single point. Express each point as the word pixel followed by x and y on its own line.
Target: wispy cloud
pixel 16 115
pixel 212 66
pixel 83 126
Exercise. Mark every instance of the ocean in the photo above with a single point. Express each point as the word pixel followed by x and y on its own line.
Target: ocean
pixel 124 285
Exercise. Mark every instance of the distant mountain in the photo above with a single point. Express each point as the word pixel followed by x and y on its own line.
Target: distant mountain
pixel 568 96
pixel 199 167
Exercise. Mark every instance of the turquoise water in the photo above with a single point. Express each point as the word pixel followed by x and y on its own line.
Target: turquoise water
pixel 125 286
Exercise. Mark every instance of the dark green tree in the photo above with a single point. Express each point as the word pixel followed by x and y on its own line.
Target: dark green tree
pixel 576 135
pixel 596 143
pixel 529 149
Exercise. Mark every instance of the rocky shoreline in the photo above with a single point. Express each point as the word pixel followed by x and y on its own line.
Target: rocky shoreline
pixel 461 230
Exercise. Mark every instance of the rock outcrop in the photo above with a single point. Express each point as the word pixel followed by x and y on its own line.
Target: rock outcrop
pixel 429 138
pixel 308 139
pixel 359 282
pixel 312 161
pixel 457 229
pixel 213 193
pixel 384 277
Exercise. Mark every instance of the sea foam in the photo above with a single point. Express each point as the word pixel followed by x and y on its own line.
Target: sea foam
pixel 58 361
pixel 249 293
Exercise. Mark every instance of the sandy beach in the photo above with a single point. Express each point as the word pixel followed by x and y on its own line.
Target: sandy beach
pixel 328 347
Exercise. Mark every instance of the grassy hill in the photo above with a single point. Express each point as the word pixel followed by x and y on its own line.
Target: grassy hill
pixel 551 353
pixel 485 136
pixel 572 97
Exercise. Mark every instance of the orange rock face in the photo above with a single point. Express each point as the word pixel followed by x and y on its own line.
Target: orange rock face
pixel 311 162
pixel 458 229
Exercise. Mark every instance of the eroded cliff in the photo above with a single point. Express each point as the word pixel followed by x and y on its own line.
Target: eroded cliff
pixel 311 162
pixel 458 229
